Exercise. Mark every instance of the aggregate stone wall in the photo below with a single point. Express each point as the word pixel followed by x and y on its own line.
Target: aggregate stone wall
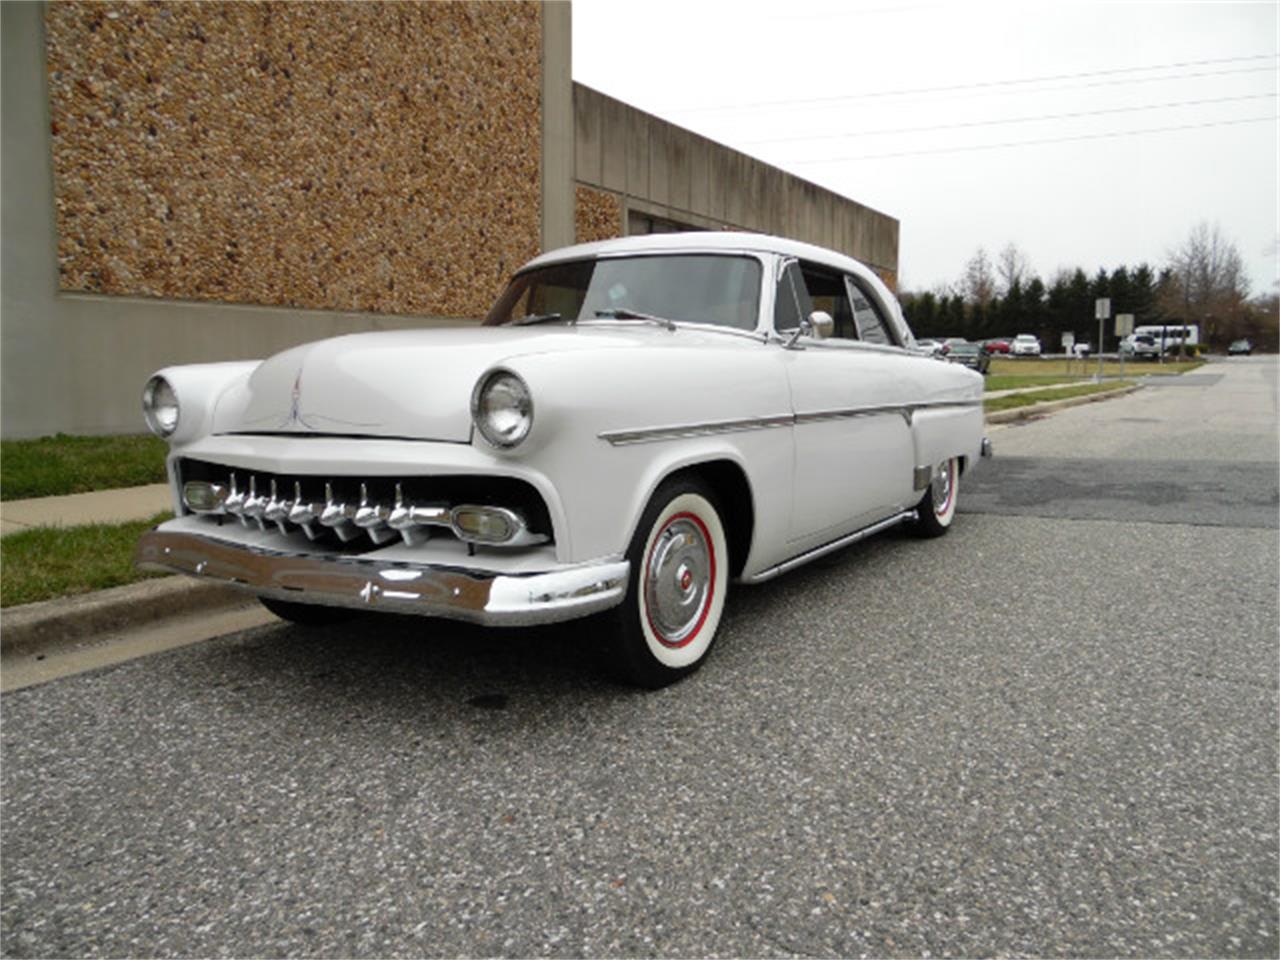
pixel 597 214
pixel 352 156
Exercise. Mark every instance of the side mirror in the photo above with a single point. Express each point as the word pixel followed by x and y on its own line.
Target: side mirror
pixel 821 325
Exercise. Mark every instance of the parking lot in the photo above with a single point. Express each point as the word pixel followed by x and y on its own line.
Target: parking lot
pixel 1053 731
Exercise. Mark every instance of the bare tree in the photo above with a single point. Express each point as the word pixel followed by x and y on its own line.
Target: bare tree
pixel 1013 267
pixel 978 283
pixel 1209 285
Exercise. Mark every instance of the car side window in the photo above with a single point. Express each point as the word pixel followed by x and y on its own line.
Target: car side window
pixel 828 293
pixel 872 327
pixel 791 299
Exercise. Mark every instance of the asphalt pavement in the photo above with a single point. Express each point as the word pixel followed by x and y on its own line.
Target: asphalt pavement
pixel 1052 732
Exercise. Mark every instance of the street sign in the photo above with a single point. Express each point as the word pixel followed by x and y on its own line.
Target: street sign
pixel 1102 308
pixel 1124 324
pixel 1068 341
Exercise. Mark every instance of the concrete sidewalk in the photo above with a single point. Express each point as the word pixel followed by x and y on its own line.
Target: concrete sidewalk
pixel 100 506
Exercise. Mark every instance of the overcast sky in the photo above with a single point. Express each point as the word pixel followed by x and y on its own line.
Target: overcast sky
pixel 903 106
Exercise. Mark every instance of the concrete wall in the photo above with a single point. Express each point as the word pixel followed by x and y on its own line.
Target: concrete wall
pixel 125 250
pixel 659 169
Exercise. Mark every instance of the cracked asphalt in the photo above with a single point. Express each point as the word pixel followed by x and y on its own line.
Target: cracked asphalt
pixel 1052 732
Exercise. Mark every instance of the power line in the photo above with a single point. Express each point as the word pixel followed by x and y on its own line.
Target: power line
pixel 1029 143
pixel 988 123
pixel 950 88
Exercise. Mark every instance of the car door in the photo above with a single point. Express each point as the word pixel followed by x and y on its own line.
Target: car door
pixel 852 435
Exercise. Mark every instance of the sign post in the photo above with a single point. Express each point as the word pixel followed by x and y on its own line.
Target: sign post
pixel 1068 345
pixel 1102 310
pixel 1124 328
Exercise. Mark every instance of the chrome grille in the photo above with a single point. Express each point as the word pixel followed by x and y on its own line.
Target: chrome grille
pixel 356 513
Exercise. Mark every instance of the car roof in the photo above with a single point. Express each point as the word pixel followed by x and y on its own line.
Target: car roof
pixel 699 241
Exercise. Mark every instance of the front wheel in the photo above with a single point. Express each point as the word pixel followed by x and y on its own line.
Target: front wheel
pixel 679 557
pixel 937 508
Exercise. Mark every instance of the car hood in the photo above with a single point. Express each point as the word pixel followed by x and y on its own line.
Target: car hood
pixel 412 384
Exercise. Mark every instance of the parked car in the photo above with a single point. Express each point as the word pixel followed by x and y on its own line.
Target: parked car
pixel 1240 348
pixel 1140 346
pixel 951 342
pixel 930 346
pixel 1082 349
pixel 637 423
pixel 999 345
pixel 1025 345
pixel 971 355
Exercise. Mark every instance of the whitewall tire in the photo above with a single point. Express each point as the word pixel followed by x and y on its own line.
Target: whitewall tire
pixel 937 508
pixel 679 576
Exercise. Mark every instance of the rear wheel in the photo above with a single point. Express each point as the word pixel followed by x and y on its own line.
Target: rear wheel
pixel 676 591
pixel 305 614
pixel 937 508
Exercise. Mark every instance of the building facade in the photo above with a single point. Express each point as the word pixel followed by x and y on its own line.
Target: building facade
pixel 200 182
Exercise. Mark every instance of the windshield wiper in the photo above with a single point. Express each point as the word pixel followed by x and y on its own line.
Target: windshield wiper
pixel 534 318
pixel 634 315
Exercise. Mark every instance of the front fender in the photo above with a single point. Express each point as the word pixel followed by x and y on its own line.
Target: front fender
pixel 603 485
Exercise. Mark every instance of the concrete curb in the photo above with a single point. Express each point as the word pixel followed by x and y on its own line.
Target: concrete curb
pixel 1037 409
pixel 33 627
pixel 67 620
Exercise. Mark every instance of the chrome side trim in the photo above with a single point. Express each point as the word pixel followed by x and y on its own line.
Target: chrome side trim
pixel 620 438
pixel 849 413
pixel 456 593
pixel 653 434
pixel 831 547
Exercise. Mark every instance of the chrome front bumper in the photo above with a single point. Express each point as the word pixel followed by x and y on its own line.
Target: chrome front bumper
pixel 394 586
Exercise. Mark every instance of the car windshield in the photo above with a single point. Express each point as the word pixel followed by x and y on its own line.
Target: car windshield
pixel 697 288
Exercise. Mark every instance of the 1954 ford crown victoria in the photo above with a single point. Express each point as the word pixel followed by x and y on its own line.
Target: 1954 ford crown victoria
pixel 637 423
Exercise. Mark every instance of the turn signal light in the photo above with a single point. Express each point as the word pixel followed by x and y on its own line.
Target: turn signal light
pixel 484 524
pixel 203 497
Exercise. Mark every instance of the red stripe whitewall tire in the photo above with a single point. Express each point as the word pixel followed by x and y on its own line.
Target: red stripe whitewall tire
pixel 679 577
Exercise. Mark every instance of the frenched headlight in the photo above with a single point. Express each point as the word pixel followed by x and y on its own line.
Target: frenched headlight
pixel 160 406
pixel 502 408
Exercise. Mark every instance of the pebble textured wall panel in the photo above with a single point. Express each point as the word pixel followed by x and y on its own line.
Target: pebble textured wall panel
pixel 597 214
pixel 350 156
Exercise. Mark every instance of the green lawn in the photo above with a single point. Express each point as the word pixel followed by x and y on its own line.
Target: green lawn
pixel 1005 381
pixel 1042 396
pixel 51 466
pixel 47 562
pixel 1065 369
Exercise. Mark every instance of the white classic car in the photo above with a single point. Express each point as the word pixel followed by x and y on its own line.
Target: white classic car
pixel 637 423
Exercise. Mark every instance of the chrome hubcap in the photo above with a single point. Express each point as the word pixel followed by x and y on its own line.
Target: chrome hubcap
pixel 941 486
pixel 678 581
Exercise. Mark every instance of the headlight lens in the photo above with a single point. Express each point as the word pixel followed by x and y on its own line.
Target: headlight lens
pixel 160 406
pixel 502 408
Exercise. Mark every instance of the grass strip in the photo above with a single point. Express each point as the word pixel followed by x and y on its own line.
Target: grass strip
pixel 1044 396
pixel 52 466
pixel 47 562
pixel 1032 366
pixel 1014 382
